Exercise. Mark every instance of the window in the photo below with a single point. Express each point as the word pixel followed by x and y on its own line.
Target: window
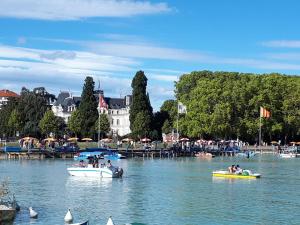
pixel 117 121
pixel 112 122
pixel 117 111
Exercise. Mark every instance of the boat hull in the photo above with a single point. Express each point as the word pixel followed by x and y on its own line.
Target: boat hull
pixel 95 172
pixel 226 174
pixel 7 215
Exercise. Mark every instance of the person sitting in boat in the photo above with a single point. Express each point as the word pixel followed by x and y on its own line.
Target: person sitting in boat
pixel 238 170
pixel 96 162
pixel 109 164
pixel 231 169
pixel 81 163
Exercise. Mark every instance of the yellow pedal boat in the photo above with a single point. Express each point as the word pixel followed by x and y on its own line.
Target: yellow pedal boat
pixel 247 174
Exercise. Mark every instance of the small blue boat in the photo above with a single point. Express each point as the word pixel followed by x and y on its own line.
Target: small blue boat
pixel 85 155
pixel 114 156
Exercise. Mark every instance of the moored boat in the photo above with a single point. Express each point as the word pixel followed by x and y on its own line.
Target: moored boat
pixel 7 214
pixel 90 171
pixel 287 155
pixel 114 156
pixel 8 204
pixel 246 174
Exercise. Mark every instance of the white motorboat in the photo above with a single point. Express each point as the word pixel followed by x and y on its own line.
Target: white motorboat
pixel 90 171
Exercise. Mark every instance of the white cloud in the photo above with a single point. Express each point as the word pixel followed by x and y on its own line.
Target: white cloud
pixel 284 56
pixel 61 70
pixel 282 44
pixel 58 55
pixel 259 64
pixel 78 9
pixel 145 51
pixel 160 77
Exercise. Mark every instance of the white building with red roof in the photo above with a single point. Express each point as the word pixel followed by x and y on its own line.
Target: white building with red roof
pixel 5 95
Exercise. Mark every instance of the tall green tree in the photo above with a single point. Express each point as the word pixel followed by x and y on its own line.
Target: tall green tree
pixel 88 108
pixel 32 107
pixel 141 112
pixel 142 124
pixel 74 123
pixel 104 125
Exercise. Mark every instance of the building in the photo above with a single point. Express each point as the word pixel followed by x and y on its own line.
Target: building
pixel 5 95
pixel 117 110
pixel 65 105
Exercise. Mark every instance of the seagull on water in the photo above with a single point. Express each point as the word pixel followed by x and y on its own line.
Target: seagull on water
pixel 110 221
pixel 69 217
pixel 32 213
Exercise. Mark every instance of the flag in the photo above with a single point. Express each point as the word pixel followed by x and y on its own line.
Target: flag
pixel 102 103
pixel 181 108
pixel 264 113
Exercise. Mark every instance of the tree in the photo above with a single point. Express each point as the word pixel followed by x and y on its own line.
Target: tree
pixel 88 108
pixel 169 114
pixel 226 105
pixel 49 123
pixel 104 125
pixel 61 126
pixel 140 110
pixel 5 114
pixel 74 122
pixel 142 124
pixel 14 122
pixel 32 107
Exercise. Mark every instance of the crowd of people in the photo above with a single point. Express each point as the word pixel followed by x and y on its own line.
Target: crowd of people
pixel 94 162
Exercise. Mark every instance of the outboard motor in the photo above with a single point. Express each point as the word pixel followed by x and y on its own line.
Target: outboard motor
pixel 120 171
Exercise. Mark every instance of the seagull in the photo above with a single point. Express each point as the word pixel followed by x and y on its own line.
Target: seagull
pixel 110 222
pixel 32 213
pixel 69 217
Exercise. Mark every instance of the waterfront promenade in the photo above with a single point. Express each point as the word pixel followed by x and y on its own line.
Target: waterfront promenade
pixel 37 153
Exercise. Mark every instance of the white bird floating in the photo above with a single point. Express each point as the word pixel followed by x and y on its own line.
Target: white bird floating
pixel 69 217
pixel 110 221
pixel 32 213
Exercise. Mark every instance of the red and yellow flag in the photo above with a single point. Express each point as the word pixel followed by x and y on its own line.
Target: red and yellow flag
pixel 264 113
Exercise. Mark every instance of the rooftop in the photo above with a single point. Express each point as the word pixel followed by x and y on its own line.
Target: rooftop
pixel 8 93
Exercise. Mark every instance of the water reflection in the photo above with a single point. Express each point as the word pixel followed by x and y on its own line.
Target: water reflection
pixel 75 182
pixel 232 180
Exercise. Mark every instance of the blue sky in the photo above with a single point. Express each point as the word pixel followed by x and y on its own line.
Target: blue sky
pixel 57 43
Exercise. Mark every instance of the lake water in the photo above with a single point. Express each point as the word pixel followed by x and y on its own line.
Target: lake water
pixel 159 191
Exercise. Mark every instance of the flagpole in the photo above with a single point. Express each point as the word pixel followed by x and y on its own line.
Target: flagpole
pixel 177 120
pixel 259 133
pixel 99 115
